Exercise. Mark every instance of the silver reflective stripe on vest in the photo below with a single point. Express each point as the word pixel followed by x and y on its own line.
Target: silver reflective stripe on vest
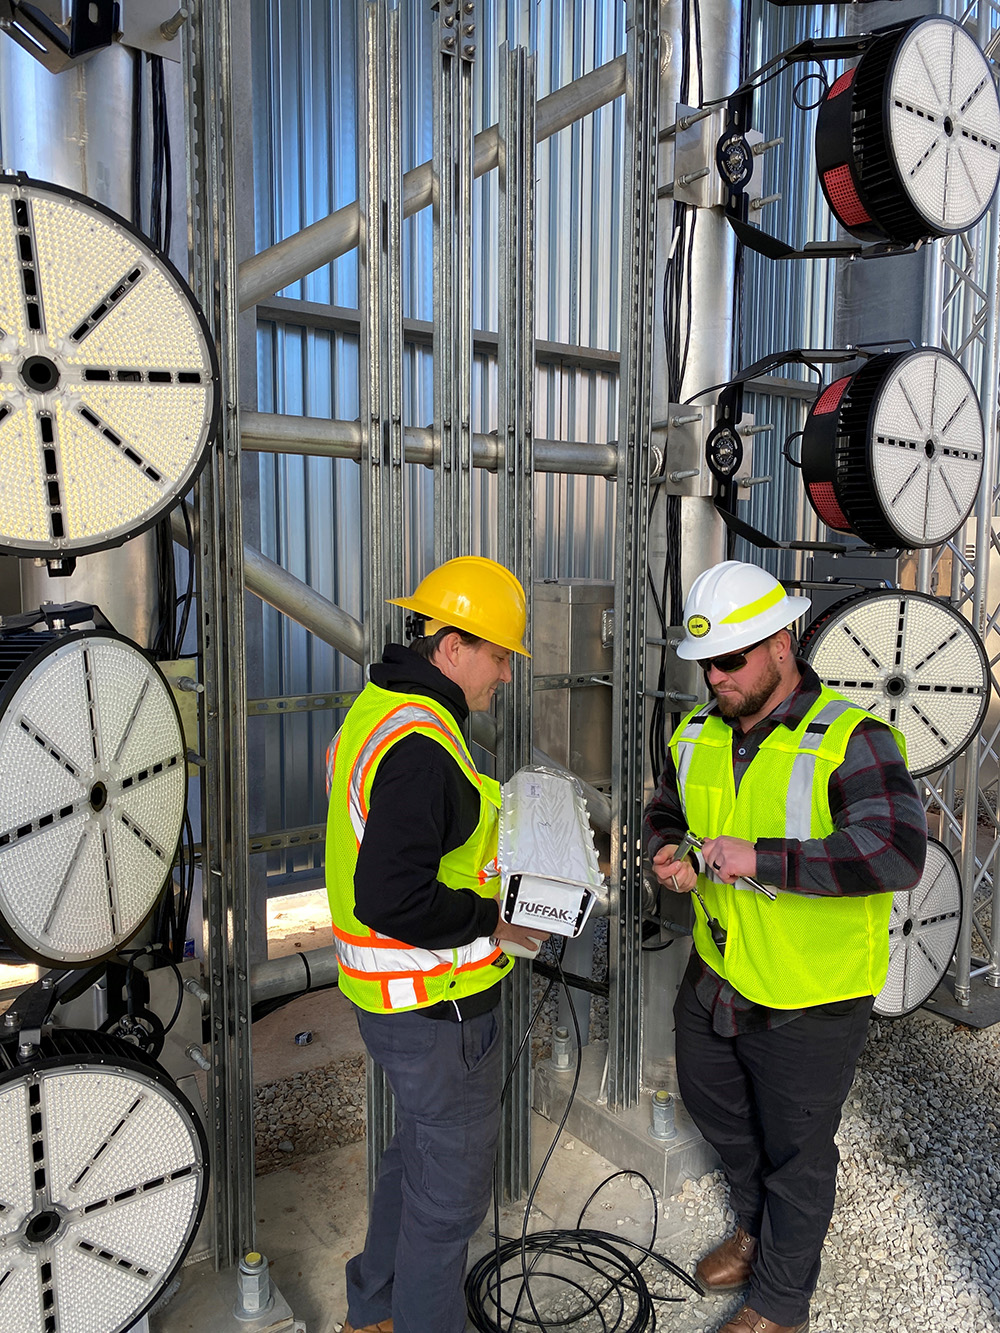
pixel 410 715
pixel 374 961
pixel 798 807
pixel 691 732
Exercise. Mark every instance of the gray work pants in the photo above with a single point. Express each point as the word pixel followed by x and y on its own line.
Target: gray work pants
pixel 434 1180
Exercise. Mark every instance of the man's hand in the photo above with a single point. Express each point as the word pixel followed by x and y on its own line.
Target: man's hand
pixel 678 876
pixel 729 858
pixel 528 938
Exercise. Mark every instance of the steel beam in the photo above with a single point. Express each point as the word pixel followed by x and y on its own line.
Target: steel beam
pixel 632 495
pixel 291 259
pixel 208 73
pixel 515 526
pixel 381 397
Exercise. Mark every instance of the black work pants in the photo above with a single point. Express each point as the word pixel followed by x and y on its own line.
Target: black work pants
pixel 769 1103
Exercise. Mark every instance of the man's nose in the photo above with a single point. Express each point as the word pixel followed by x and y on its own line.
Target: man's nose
pixel 507 673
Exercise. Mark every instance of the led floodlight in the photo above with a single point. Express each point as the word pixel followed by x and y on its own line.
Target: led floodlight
pixel 923 933
pixel 104 1170
pixel 894 453
pixel 92 790
pixel 910 659
pixel 108 376
pixel 908 141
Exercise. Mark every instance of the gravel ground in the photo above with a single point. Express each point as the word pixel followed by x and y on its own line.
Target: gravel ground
pixel 914 1246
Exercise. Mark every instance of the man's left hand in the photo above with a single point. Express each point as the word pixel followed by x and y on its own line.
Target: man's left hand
pixel 729 858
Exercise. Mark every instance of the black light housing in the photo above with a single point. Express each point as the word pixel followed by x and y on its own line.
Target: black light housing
pixel 894 452
pixel 908 141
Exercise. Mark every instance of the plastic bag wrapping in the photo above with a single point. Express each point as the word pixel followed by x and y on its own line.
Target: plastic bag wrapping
pixel 548 862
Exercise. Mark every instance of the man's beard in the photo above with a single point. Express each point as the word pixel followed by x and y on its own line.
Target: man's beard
pixel 747 705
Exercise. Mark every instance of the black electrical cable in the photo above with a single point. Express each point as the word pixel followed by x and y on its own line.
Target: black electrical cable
pixel 188 597
pixel 597 1253
pixel 180 996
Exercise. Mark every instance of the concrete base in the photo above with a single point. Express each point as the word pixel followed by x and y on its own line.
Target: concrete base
pixel 982 1011
pixel 621 1137
pixel 211 1296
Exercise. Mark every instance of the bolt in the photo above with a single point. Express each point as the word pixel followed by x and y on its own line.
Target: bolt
pixel 189 685
pixel 759 149
pixel 663 1126
pixel 11 1019
pixel 170 27
pixel 26 1050
pixel 683 475
pixel 561 1048
pixel 197 1056
pixel 198 991
pixel 469 51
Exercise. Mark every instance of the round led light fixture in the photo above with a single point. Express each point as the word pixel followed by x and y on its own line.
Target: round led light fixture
pixel 910 659
pixel 923 933
pixel 92 788
pixel 894 453
pixel 105 1173
pixel 108 376
pixel 908 141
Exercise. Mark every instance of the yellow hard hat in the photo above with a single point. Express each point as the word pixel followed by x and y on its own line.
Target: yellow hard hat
pixel 474 594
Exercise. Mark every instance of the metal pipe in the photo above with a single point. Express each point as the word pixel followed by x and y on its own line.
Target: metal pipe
pixel 291 259
pixel 274 432
pixel 309 970
pixel 293 598
pixel 977 617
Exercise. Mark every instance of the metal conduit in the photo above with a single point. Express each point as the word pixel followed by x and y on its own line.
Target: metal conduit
pixel 267 273
pixel 267 432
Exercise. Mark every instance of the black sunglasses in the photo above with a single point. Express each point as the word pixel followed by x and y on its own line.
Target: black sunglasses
pixel 729 662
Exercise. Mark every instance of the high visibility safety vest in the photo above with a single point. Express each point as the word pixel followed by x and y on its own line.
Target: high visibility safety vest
pixel 800 950
pixel 377 972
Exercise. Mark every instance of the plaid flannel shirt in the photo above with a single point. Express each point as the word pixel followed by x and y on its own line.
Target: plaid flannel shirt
pixel 878 844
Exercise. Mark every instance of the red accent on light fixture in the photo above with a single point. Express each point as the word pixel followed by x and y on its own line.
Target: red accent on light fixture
pixel 829 399
pixel 824 499
pixel 844 82
pixel 843 197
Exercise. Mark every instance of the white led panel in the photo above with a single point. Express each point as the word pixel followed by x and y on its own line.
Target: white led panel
pixel 118 1175
pixel 944 124
pixel 927 441
pixel 92 790
pixel 910 659
pixel 108 376
pixel 923 933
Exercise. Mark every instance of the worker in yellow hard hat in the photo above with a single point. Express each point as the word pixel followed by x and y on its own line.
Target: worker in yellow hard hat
pixel 411 873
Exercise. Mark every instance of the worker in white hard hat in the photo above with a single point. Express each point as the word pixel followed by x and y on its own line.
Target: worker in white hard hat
pixel 411 874
pixel 786 783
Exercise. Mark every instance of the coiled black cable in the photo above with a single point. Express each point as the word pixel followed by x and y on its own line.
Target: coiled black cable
pixel 594 1257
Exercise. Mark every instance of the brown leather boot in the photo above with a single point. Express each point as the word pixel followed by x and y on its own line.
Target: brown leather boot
pixel 748 1319
pixel 728 1266
pixel 384 1326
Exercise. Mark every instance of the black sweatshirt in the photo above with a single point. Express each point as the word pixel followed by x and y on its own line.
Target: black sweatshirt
pixel 422 805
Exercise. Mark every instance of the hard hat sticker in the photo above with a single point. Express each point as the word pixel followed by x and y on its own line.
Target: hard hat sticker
pixel 698 626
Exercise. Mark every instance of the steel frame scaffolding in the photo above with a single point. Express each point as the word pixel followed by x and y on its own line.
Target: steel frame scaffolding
pixel 966 287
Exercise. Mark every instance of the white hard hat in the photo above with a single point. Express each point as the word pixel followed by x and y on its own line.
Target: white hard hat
pixel 732 606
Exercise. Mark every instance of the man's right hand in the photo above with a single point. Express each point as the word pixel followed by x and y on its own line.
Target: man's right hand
pixel 528 938
pixel 678 876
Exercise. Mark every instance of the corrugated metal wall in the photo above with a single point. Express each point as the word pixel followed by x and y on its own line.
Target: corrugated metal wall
pixel 305 120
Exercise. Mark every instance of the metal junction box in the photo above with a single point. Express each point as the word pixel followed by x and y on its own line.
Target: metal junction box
pixel 572 660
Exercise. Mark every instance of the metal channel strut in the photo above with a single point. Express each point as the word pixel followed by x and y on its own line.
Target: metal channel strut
pixel 455 49
pixel 515 526
pixel 208 73
pixel 628 722
pixel 381 393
